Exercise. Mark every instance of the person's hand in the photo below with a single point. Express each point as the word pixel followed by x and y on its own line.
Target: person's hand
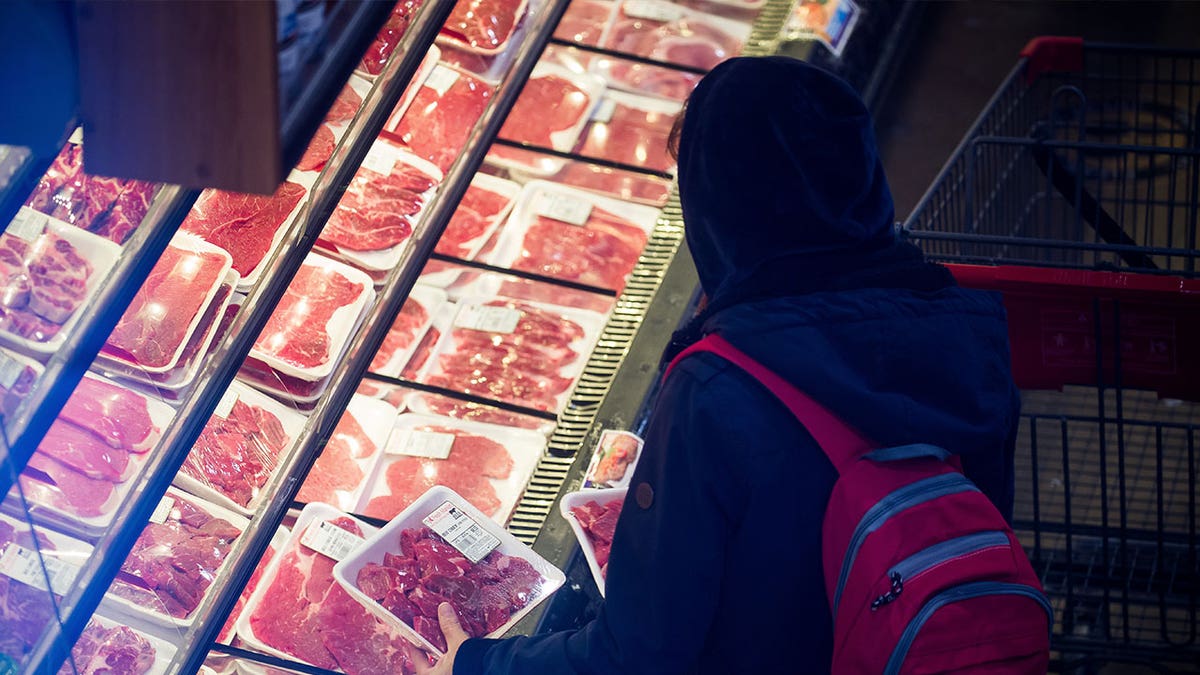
pixel 455 636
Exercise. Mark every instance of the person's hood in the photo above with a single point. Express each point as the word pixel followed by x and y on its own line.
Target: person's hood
pixel 777 160
pixel 902 366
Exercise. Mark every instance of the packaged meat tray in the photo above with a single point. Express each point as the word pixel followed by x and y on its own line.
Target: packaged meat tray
pixel 348 101
pixel 432 56
pixel 154 331
pixel 593 516
pixel 514 351
pixel 239 448
pixel 88 461
pixel 379 210
pixel 49 271
pixel 443 320
pixel 250 227
pixel 478 283
pixel 575 235
pixel 630 129
pixel 341 471
pixel 109 207
pixel 392 394
pixel 278 542
pixel 489 465
pixel 480 212
pixel 18 375
pixel 171 567
pixel 586 21
pixel 460 556
pixel 27 604
pixel 438 123
pixel 312 324
pixel 624 185
pixel 410 326
pixel 551 111
pixel 298 612
pixel 444 406
pixel 668 32
pixel 389 36
pixel 483 26
pixel 108 647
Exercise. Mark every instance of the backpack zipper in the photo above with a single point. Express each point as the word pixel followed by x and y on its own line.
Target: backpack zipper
pixel 927 558
pixel 899 500
pixel 954 594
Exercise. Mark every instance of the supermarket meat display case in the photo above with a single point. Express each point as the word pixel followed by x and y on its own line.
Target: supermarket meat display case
pixel 185 373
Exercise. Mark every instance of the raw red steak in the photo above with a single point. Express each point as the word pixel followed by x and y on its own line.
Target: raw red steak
pixel 623 185
pixel 25 611
pixel 548 104
pixel 422 353
pixel 297 331
pixel 319 150
pixel 119 650
pixel 631 136
pixel 599 521
pixel 472 461
pixel 376 212
pixel 118 416
pixel 584 21
pixel 478 211
pixel 483 24
pixel 600 253
pixel 336 468
pixel 84 452
pixel 437 126
pixel 49 482
pixel 230 627
pixel 519 367
pixel 44 282
pixel 345 107
pixel 388 37
pixel 243 224
pixel 429 571
pixel 690 41
pixel 177 559
pixel 464 410
pixel 552 294
pixel 236 455
pixel 403 333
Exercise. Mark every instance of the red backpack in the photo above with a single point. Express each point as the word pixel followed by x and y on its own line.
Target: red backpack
pixel 922 572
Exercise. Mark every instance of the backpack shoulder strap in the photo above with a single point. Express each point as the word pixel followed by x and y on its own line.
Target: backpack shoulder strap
pixel 841 443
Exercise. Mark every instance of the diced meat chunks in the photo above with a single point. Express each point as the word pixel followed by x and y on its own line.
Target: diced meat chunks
pixel 599 521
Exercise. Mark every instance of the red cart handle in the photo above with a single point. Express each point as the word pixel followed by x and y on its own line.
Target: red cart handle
pixel 1052 55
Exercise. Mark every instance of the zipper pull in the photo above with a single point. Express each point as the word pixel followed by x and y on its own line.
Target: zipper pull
pixel 891 595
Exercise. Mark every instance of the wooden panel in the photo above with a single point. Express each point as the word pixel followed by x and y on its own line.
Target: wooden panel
pixel 181 91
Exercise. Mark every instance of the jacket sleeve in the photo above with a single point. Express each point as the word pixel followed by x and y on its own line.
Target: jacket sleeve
pixel 665 550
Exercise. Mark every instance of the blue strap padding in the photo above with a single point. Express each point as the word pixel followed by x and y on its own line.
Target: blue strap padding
pixel 908 452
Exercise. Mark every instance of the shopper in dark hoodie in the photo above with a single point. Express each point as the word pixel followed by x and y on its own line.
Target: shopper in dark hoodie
pixel 716 562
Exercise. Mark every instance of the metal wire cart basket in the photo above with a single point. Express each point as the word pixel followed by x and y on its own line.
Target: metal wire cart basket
pixel 1076 194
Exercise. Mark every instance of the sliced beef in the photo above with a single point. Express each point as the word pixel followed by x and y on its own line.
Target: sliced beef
pixel 297 331
pixel 241 223
pixel 436 126
pixel 377 212
pixel 337 468
pixel 117 415
pixel 483 24
pixel 601 253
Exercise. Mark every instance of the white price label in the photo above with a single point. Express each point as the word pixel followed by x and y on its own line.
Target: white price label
pixel 26 566
pixel 427 444
pixel 441 79
pixel 488 318
pixel 76 136
pixel 330 540
pixel 563 207
pixel 462 532
pixel 653 10
pixel 163 510
pixel 10 371
pixel 28 225
pixel 604 112
pixel 381 158
pixel 225 405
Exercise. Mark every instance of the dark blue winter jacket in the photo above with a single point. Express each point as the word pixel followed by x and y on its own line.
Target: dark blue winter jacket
pixel 721 571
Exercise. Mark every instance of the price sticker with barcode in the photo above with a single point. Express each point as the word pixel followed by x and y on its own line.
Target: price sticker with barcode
pixel 604 112
pixel 225 405
pixel 163 510
pixel 462 532
pixel 490 318
pixel 441 79
pixel 26 566
pixel 28 224
pixel 654 10
pixel 76 136
pixel 381 158
pixel 414 443
pixel 330 540
pixel 10 371
pixel 562 207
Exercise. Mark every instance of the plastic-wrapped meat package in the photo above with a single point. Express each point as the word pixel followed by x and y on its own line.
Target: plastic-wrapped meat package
pixel 550 112
pixel 42 284
pixel 319 150
pixel 301 613
pixel 407 330
pixel 389 36
pixel 481 210
pixel 246 225
pixel 599 521
pixel 436 404
pixel 344 107
pixel 484 26
pixel 440 118
pixel 486 284
pixel 631 130
pixel 584 21
pixel 623 185
pixel 109 207
pixel 229 630
pixel 17 377
pixel 346 461
pixel 110 650
pixel 173 563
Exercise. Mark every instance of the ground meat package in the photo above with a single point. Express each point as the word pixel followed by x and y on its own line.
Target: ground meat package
pixel 551 111
pixel 347 461
pixel 171 568
pixel 405 335
pixel 384 202
pixel 487 464
pixel 25 604
pixel 443 549
pixel 239 448
pixel 480 212
pixel 48 271
pixel 92 455
pixel 593 515
pixel 519 352
pixel 576 235
pixel 298 612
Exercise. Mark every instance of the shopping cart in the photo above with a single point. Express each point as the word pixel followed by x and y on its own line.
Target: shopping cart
pixel 1076 194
